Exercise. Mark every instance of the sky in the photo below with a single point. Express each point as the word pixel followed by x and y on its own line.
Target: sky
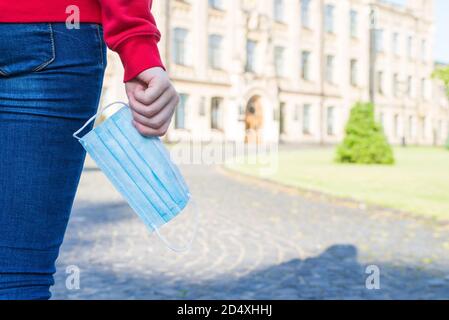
pixel 441 49
pixel 442 31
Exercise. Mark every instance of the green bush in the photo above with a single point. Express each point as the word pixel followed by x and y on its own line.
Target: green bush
pixel 365 142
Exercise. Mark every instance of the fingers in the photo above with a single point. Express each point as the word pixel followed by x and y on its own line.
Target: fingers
pixel 158 124
pixel 157 120
pixel 153 109
pixel 153 92
pixel 150 132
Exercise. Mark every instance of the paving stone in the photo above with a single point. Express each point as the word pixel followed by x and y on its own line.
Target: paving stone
pixel 255 241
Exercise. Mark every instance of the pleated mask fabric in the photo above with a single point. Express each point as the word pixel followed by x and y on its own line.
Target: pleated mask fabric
pixel 139 167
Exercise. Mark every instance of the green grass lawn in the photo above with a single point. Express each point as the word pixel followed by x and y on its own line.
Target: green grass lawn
pixel 418 183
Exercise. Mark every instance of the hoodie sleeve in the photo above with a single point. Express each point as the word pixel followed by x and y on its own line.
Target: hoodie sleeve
pixel 130 30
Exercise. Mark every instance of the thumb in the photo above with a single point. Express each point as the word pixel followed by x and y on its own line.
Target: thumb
pixel 148 75
pixel 150 94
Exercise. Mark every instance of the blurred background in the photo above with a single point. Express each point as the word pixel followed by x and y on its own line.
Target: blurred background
pixel 288 73
pixel 302 65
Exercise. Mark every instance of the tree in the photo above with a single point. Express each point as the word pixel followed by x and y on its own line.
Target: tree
pixel 442 73
pixel 365 142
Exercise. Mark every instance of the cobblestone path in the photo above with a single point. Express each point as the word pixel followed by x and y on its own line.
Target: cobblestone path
pixel 255 241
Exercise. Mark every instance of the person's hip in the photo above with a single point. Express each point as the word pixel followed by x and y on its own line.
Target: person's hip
pixel 48 69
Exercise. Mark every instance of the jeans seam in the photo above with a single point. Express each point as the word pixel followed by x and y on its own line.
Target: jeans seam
pixel 100 44
pixel 52 40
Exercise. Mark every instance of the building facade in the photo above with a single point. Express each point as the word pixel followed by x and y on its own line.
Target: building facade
pixel 292 69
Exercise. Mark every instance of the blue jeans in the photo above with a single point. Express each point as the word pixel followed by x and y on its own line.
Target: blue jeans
pixel 50 84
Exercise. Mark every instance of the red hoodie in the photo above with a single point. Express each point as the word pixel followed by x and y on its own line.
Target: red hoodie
pixel 129 27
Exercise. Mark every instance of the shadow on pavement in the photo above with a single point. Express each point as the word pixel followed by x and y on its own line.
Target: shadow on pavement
pixel 334 274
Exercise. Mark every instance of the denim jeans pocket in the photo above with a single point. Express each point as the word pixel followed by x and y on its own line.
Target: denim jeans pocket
pixel 100 42
pixel 25 47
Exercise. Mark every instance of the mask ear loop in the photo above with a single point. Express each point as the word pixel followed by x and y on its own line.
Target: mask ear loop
pixel 188 246
pixel 99 112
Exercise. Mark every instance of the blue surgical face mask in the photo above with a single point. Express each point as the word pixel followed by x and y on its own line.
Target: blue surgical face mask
pixel 140 168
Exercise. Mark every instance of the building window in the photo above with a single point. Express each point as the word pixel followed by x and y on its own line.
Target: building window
pixel 279 10
pixel 180 112
pixel 380 82
pixel 423 50
pixel 281 118
pixel 395 43
pixel 424 88
pixel 409 86
pixel 410 47
pixel 305 65
pixel 353 27
pixel 279 61
pixel 216 113
pixel 215 51
pixel 330 69
pixel 354 71
pixel 242 111
pixel 216 4
pixel 395 85
pixel 305 13
pixel 306 119
pixel 424 127
pixel 251 47
pixel 381 120
pixel 202 107
pixel 180 47
pixel 330 121
pixel 410 127
pixel 379 41
pixel 329 18
pixel 396 125
pixel 297 112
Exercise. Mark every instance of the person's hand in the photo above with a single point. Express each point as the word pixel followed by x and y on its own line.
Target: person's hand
pixel 152 99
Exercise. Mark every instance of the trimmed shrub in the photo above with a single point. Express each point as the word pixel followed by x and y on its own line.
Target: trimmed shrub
pixel 365 142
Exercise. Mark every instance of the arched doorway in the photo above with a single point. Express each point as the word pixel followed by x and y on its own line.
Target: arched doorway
pixel 254 120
